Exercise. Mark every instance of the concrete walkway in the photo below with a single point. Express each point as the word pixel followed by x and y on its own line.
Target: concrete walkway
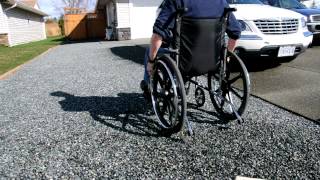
pixel 293 85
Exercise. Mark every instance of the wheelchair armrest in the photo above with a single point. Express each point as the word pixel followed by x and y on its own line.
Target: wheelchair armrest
pixel 227 11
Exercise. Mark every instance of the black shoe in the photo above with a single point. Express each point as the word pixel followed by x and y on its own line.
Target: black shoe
pixel 144 85
pixel 146 92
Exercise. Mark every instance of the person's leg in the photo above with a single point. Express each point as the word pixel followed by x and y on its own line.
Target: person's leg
pixel 146 79
pixel 144 83
pixel 146 75
pixel 160 51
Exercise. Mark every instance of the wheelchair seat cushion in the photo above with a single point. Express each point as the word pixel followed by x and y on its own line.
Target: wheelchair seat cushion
pixel 200 45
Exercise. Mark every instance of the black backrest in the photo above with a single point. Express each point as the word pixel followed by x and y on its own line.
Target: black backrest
pixel 200 45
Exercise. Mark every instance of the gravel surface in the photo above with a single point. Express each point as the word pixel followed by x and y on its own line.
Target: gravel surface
pixel 77 112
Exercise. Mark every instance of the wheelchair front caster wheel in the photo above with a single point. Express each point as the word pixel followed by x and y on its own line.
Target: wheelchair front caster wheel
pixel 199 97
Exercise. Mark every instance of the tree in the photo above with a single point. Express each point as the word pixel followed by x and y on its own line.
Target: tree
pixel 59 5
pixel 61 25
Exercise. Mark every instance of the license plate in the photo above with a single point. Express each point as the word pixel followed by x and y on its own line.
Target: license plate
pixel 286 51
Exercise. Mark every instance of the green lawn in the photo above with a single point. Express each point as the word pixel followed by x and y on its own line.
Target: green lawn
pixel 11 57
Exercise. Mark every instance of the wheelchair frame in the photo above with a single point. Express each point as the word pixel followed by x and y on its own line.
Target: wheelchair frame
pixel 166 67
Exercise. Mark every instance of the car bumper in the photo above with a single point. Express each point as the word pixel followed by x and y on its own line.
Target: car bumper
pixel 269 45
pixel 269 51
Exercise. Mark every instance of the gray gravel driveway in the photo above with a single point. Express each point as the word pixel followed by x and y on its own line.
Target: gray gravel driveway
pixel 77 112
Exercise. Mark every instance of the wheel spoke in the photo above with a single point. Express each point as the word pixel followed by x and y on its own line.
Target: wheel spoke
pixel 236 93
pixel 170 110
pixel 235 79
pixel 161 82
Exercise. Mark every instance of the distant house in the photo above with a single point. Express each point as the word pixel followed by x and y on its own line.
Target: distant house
pixel 129 19
pixel 21 22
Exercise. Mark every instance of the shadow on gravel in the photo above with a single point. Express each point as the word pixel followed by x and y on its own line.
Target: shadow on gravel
pixel 206 117
pixel 126 112
pixel 261 64
pixel 68 41
pixel 133 53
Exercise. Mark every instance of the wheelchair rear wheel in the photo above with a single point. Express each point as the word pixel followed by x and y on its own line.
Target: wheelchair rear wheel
pixel 168 95
pixel 232 88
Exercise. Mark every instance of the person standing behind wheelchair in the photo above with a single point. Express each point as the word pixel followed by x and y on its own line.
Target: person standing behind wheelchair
pixel 163 29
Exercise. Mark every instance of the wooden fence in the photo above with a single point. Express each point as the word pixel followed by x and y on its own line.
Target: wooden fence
pixel 84 26
pixel 52 29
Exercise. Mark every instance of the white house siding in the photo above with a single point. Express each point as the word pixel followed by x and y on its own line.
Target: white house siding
pixel 123 14
pixel 24 27
pixel 3 21
pixel 143 15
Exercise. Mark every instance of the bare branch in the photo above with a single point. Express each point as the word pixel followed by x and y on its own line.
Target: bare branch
pixel 59 5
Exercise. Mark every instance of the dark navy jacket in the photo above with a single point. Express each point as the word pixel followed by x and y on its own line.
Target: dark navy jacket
pixel 196 9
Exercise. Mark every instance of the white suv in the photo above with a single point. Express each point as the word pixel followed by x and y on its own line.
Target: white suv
pixel 270 31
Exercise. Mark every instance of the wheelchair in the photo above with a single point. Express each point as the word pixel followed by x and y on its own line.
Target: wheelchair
pixel 202 51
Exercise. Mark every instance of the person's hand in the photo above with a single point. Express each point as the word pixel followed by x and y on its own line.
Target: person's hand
pixel 150 69
pixel 231 44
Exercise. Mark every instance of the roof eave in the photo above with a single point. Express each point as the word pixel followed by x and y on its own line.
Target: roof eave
pixel 25 7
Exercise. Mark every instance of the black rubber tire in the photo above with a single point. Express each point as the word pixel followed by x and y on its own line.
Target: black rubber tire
pixel 236 64
pixel 199 96
pixel 168 127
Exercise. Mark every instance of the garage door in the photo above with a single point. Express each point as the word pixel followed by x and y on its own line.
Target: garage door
pixel 142 17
